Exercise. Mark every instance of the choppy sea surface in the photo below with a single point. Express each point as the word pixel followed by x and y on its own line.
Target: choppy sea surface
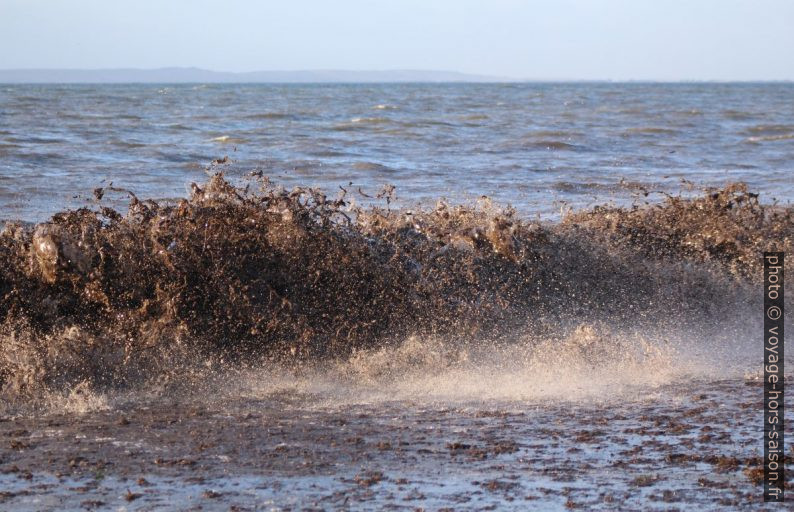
pixel 535 145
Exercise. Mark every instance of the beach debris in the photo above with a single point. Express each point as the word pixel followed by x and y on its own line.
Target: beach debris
pixel 95 297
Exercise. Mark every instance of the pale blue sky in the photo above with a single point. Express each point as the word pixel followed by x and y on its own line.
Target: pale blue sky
pixel 551 39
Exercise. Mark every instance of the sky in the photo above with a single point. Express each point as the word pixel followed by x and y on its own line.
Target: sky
pixel 525 39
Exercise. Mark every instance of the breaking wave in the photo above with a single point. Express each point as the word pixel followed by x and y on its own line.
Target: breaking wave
pixel 472 301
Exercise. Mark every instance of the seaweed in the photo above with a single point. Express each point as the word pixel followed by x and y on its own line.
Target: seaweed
pixel 257 273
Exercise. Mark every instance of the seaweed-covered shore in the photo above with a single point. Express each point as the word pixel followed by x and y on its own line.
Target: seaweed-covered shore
pixel 259 273
pixel 692 445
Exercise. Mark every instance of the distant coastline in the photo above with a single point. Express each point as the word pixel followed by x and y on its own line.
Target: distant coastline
pixel 192 75
pixel 197 75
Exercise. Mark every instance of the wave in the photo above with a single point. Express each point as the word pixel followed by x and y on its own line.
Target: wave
pixel 126 144
pixel 650 130
pixel 740 115
pixel 370 120
pixel 474 117
pixel 360 123
pixel 179 127
pixel 428 122
pixel 543 134
pixel 35 140
pixel 589 361
pixel 769 129
pixel 770 138
pixel 544 144
pixel 588 187
pixel 271 115
pixel 228 139
pixel 257 276
pixel 371 166
pixel 689 113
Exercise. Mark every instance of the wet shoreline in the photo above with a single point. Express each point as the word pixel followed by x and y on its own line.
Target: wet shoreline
pixel 684 444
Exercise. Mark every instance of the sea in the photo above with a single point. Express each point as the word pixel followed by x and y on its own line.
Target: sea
pixel 539 147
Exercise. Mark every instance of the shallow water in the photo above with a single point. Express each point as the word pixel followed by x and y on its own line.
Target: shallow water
pixel 525 144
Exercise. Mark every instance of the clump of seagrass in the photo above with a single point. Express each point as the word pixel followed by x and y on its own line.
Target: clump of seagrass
pixel 728 227
pixel 260 273
pixel 239 273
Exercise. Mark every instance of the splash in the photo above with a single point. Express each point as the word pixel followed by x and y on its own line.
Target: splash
pixel 259 277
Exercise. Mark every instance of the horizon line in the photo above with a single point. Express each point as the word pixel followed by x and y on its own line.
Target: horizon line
pixel 464 77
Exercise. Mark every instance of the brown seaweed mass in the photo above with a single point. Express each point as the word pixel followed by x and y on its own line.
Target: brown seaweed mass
pixel 267 274
pixel 727 226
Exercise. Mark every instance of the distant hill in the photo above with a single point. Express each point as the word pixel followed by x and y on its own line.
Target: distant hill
pixel 196 75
